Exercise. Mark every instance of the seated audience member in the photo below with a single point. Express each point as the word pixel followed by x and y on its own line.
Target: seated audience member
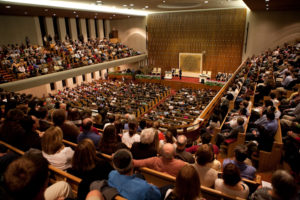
pixel 231 183
pixel 94 195
pixel 53 149
pixel 128 184
pixel 165 163
pixel 11 131
pixel 70 131
pixel 87 132
pixel 180 150
pixel 169 137
pixel 27 178
pixel 109 141
pixel 156 126
pixel 88 166
pixel 283 188
pixel 233 134
pixel 31 138
pixel 240 155
pixel 44 124
pixel 146 147
pixel 131 136
pixel 207 175
pixel 267 132
pixel 111 120
pixel 187 185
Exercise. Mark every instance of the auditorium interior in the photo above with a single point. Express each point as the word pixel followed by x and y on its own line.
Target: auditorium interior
pixel 150 99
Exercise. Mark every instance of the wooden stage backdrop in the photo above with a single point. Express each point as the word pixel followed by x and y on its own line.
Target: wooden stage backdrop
pixel 220 33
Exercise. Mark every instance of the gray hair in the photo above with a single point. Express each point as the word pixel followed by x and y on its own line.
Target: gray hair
pixel 147 136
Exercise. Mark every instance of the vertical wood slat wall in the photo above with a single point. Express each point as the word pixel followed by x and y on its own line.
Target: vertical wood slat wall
pixel 220 33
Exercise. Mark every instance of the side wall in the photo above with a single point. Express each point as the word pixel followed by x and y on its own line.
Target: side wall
pixel 132 32
pixel 270 29
pixel 14 29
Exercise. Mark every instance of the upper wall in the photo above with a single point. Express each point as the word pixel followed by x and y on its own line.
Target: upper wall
pixel 270 29
pixel 132 32
pixel 14 29
pixel 218 33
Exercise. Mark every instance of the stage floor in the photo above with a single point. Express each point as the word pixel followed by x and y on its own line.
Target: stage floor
pixel 184 79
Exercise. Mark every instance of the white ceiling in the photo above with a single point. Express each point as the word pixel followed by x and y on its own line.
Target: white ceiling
pixel 132 7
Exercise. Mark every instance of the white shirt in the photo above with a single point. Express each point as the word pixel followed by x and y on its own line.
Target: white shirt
pixel 220 185
pixel 62 159
pixel 126 139
pixel 206 174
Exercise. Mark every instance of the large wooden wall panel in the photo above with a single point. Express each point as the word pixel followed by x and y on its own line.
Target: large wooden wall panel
pixel 219 33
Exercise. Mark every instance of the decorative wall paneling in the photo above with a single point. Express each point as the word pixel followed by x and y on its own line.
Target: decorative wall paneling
pixel 218 33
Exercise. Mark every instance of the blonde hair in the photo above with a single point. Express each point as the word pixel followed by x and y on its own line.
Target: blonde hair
pixel 52 140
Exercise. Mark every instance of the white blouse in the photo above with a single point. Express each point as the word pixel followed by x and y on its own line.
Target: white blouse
pixel 62 159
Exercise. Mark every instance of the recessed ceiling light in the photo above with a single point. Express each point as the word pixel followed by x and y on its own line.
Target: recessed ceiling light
pixel 267 8
pixel 205 1
pixel 99 1
pixel 54 14
pixel 46 10
pixel 267 0
pixel 131 4
pixel 128 16
pixel 146 6
pixel 74 12
pixel 267 5
pixel 114 15
pixel 7 6
pixel 125 5
pixel 164 1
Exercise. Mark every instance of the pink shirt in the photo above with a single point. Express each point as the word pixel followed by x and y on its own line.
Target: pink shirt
pixel 171 167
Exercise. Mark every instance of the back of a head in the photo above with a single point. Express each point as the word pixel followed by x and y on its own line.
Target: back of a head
pixel 231 174
pixel 122 161
pixel 181 141
pixel 58 117
pixel 43 112
pixel 84 156
pixel 156 124
pixel 240 121
pixel 284 185
pixel 14 115
pixel 204 154
pixel 240 153
pixel 168 151
pixel 147 136
pixel 187 184
pixel 270 115
pixel 173 130
pixel 132 125
pixel 25 177
pixel 87 124
pixel 206 138
pixel 52 140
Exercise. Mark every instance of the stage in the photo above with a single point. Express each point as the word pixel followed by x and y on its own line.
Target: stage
pixel 175 83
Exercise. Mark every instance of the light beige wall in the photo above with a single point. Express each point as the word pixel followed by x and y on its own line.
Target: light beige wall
pixel 62 28
pixel 132 32
pixel 39 91
pixel 14 29
pixel 107 27
pixel 82 28
pixel 49 27
pixel 92 28
pixel 100 28
pixel 270 29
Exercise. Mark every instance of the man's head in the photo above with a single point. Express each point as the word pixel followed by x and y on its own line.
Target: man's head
pixel 240 121
pixel 27 177
pixel 122 161
pixel 58 117
pixel 167 151
pixel 181 142
pixel 87 124
pixel 240 153
pixel 284 185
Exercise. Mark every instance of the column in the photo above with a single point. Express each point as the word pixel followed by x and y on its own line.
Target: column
pixel 39 38
pixel 69 82
pixel 49 27
pixel 62 28
pixel 100 28
pixel 92 28
pixel 73 29
pixel 82 28
pixel 79 80
pixel 88 78
pixel 107 28
pixel 96 75
pixel 58 85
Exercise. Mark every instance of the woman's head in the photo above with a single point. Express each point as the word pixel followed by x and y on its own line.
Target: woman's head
pixel 187 186
pixel 284 185
pixel 231 174
pixel 52 140
pixel 84 156
pixel 204 155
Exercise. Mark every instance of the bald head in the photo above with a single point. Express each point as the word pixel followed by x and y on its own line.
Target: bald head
pixel 87 124
pixel 181 142
pixel 168 151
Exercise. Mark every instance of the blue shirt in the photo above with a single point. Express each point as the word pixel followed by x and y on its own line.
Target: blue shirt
pixel 132 187
pixel 247 171
pixel 90 135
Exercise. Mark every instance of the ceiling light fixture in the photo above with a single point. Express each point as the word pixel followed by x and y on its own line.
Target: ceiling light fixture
pixel 131 4
pixel 205 1
pixel 7 6
pixel 125 5
pixel 267 8
pixel 75 5
pixel 128 16
pixel 54 14
pixel 267 0
pixel 146 6
pixel 74 12
pixel 267 5
pixel 164 1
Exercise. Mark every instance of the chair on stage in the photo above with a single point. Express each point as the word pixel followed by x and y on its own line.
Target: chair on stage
pixel 176 72
pixel 158 71
pixel 154 71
